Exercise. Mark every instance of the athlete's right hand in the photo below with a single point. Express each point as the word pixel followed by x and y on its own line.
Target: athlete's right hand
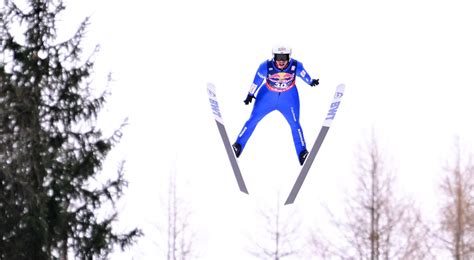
pixel 248 100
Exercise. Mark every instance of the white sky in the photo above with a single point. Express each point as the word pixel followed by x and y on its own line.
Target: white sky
pixel 407 65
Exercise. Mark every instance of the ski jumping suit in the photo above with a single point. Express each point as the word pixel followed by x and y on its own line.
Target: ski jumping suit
pixel 279 93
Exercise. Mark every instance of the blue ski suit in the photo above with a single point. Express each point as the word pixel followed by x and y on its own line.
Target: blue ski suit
pixel 275 89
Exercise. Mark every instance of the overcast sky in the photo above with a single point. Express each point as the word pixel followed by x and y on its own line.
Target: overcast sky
pixel 407 66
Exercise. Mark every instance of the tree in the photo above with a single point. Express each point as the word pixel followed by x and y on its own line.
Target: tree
pixel 457 212
pixel 280 234
pixel 180 237
pixel 50 150
pixel 378 223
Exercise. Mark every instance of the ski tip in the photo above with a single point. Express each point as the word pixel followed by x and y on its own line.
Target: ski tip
pixel 211 90
pixel 341 87
pixel 211 86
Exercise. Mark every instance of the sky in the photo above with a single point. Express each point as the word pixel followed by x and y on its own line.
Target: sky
pixel 407 67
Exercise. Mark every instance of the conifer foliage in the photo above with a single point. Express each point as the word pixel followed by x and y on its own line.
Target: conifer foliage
pixel 50 150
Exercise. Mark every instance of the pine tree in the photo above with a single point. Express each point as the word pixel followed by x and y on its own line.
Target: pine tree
pixel 50 151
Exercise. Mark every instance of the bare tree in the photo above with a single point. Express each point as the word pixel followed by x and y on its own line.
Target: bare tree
pixel 457 212
pixel 279 234
pixel 378 223
pixel 180 235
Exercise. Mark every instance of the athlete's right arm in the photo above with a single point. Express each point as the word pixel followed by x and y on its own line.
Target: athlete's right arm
pixel 259 79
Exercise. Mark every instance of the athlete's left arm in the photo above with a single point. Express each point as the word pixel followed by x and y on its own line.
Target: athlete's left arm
pixel 301 72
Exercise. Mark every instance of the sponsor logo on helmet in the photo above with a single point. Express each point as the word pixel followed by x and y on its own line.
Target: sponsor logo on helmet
pixel 281 50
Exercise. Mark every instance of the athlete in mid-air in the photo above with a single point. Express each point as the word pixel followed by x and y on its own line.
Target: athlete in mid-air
pixel 274 88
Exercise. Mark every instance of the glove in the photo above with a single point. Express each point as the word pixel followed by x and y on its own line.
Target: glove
pixel 314 82
pixel 248 100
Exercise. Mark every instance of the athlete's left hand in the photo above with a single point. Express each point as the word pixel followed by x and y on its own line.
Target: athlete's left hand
pixel 314 82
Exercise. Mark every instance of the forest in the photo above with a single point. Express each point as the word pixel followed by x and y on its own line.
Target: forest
pixel 52 153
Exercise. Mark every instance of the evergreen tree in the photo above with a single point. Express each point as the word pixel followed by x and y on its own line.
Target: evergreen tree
pixel 50 150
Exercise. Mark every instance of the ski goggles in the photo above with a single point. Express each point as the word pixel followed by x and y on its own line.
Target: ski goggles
pixel 282 57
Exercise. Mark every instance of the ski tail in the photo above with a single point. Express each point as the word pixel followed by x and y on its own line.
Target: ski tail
pixel 317 144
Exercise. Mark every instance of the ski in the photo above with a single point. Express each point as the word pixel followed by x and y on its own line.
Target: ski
pixel 211 91
pixel 317 144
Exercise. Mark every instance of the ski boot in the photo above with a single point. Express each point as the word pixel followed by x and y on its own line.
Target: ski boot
pixel 237 149
pixel 303 156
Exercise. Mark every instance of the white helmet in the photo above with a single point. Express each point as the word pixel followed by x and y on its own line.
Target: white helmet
pixel 281 51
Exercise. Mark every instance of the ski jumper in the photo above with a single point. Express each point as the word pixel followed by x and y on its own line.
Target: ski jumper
pixel 275 89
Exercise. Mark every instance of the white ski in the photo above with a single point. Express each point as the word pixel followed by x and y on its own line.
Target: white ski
pixel 317 144
pixel 211 91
